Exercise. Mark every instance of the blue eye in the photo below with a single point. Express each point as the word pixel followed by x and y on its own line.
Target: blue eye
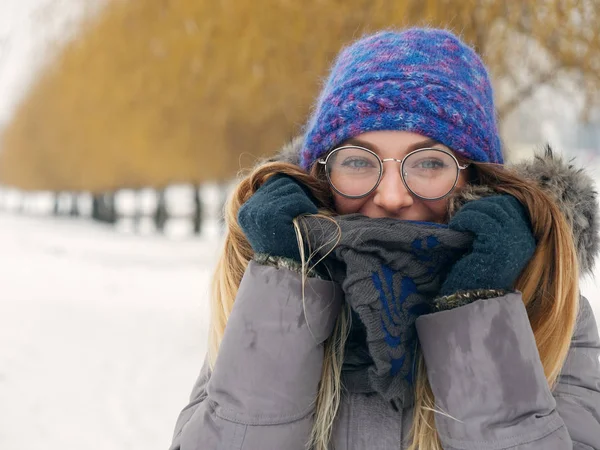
pixel 430 164
pixel 357 163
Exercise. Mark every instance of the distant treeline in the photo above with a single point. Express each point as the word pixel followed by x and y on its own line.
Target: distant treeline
pixel 158 205
pixel 152 91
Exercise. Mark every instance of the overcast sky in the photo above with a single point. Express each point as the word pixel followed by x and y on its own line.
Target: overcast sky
pixel 26 28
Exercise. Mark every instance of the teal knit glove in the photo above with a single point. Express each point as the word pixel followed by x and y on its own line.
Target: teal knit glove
pixel 266 218
pixel 503 245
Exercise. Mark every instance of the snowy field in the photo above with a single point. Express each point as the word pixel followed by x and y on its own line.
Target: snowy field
pixel 103 333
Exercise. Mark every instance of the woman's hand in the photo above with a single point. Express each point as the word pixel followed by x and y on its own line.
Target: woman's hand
pixel 266 218
pixel 503 245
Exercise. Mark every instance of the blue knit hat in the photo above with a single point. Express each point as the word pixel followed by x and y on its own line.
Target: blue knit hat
pixel 426 81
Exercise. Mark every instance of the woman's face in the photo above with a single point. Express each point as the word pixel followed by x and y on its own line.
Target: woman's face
pixel 391 198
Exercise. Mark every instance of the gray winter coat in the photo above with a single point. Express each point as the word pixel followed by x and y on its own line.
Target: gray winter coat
pixel 482 363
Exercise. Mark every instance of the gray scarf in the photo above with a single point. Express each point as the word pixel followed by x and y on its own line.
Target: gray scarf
pixel 390 271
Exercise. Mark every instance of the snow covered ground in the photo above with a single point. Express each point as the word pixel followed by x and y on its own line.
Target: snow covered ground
pixel 102 333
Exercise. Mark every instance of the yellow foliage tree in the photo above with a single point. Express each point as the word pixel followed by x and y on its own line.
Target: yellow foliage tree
pixel 159 91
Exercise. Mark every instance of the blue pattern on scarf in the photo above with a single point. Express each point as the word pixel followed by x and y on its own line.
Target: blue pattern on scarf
pixel 434 261
pixel 421 246
pixel 392 308
pixel 394 313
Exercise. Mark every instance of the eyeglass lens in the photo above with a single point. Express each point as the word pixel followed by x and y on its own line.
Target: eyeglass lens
pixel 428 173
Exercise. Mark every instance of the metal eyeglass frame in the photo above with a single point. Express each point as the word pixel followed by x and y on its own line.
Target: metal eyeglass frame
pixel 401 161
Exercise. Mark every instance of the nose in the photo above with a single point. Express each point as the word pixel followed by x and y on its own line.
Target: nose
pixel 391 194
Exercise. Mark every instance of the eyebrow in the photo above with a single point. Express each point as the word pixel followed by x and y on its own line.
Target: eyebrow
pixel 416 146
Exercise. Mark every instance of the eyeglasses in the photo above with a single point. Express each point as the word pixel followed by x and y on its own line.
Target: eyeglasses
pixel 428 173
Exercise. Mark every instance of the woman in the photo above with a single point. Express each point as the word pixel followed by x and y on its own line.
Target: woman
pixel 440 308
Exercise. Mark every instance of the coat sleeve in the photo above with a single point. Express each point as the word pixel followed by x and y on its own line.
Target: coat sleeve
pixel 489 385
pixel 578 391
pixel 260 394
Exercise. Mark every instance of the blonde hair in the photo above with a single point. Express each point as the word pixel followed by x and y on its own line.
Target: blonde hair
pixel 549 284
